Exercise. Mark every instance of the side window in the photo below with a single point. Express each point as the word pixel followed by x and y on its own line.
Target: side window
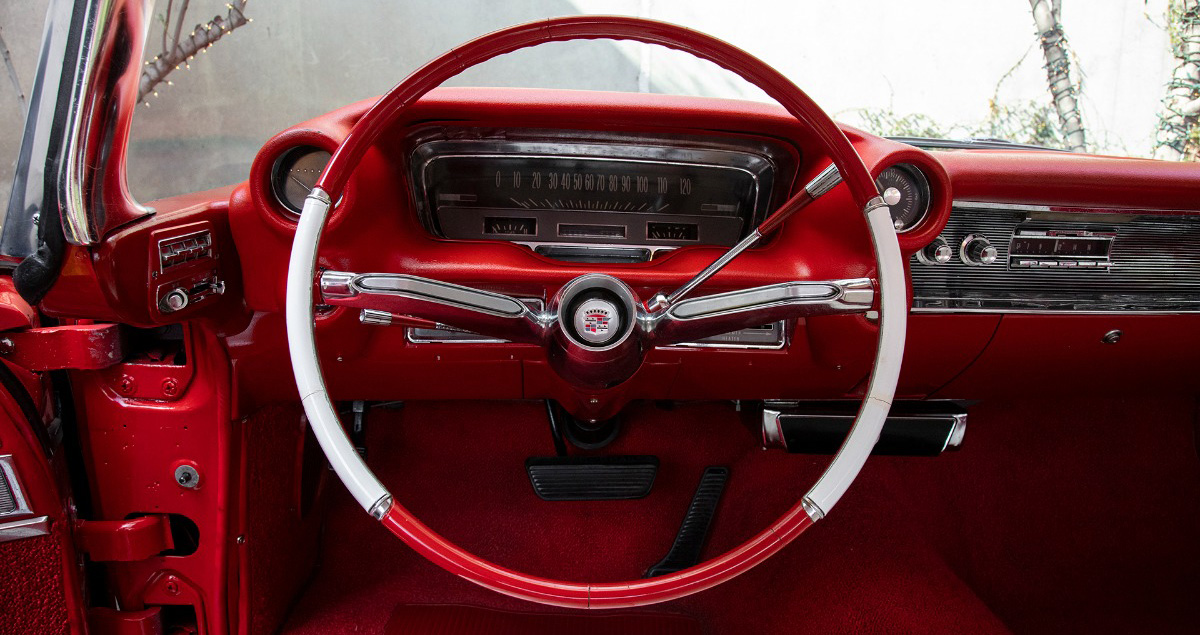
pixel 20 40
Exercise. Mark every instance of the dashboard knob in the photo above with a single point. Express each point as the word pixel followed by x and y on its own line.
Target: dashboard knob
pixel 937 252
pixel 978 250
pixel 173 301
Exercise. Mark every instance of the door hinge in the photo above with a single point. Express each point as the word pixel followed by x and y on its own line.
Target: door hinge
pixel 124 540
pixel 74 346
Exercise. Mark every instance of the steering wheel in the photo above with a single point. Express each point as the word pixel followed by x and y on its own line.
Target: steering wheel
pixel 589 351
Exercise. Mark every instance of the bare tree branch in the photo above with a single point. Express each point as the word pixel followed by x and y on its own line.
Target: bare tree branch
pixel 12 75
pixel 181 50
pixel 166 20
pixel 1179 126
pixel 1058 71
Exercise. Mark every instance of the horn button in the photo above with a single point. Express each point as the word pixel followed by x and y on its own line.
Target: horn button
pixel 598 318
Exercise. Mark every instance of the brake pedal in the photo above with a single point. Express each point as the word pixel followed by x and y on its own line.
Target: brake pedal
pixel 586 478
pixel 693 533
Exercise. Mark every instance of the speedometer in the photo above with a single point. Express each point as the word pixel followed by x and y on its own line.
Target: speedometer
pixel 913 205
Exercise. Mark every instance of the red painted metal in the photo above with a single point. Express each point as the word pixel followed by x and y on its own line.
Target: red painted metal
pixel 15 312
pixel 75 346
pixel 144 376
pixel 106 108
pixel 124 540
pixel 133 446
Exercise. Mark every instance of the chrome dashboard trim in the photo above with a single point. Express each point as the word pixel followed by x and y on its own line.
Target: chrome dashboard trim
pixel 27 528
pixel 764 160
pixel 413 336
pixel 1153 266
pixel 1007 311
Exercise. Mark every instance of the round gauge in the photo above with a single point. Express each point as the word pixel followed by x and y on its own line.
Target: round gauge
pixel 914 194
pixel 295 173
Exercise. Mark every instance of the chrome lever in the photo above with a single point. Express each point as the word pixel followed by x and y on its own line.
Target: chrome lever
pixel 385 318
pixel 816 188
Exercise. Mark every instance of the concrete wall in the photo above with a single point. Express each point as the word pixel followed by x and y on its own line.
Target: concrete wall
pixel 301 58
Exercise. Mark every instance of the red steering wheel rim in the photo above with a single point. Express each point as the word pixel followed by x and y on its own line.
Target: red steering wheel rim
pixel 367 130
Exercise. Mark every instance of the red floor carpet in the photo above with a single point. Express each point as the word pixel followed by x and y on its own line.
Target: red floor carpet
pixel 1054 517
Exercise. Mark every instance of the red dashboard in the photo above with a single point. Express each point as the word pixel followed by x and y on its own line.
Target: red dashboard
pixel 376 227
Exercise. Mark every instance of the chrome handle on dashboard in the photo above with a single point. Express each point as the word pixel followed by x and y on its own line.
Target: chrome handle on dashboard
pixel 484 312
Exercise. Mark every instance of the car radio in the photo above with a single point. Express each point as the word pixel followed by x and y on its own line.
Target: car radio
pixel 1047 248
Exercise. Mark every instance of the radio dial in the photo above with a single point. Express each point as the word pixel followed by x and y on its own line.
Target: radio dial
pixel 937 252
pixel 978 250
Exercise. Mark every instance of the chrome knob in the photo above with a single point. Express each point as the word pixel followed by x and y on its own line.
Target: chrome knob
pixel 937 252
pixel 173 301
pixel 978 250
pixel 891 196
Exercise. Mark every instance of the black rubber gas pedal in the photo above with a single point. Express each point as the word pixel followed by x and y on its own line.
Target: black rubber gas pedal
pixel 693 533
pixel 588 478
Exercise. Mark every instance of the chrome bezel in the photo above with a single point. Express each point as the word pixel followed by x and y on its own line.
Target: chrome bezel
pixel 921 184
pixel 764 160
pixel 292 212
pixel 590 282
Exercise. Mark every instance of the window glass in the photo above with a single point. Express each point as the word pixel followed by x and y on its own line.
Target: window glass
pixel 915 68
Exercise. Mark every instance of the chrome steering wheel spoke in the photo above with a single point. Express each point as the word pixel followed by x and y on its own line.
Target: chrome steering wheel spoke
pixel 501 316
pixel 483 312
pixel 706 316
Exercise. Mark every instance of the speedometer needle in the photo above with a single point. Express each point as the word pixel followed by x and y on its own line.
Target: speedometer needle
pixel 307 187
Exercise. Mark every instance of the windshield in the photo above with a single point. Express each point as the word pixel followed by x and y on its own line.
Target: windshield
pixel 920 68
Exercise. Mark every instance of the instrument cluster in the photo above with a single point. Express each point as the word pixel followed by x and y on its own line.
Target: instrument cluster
pixel 601 198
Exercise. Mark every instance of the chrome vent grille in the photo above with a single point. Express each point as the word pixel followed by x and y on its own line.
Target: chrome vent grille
pixel 1155 266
